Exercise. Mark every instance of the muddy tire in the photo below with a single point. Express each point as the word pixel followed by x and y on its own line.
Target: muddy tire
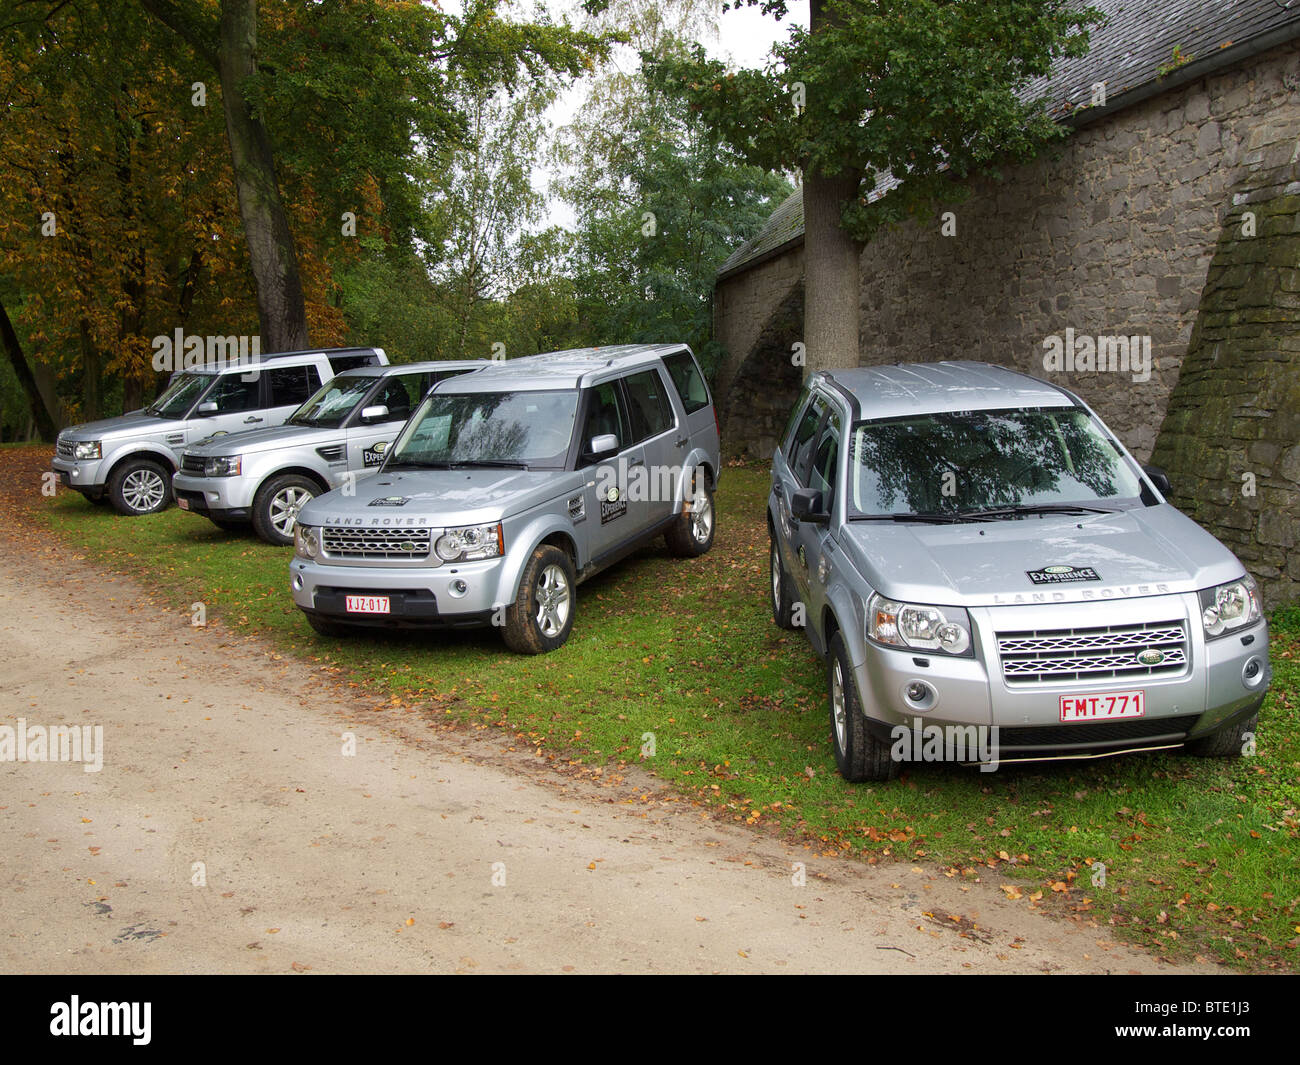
pixel 541 617
pixel 858 754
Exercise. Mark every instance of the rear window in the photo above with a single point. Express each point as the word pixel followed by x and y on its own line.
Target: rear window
pixel 648 407
pixel 688 381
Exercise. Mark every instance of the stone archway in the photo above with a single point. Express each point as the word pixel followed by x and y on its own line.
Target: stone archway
pixel 757 405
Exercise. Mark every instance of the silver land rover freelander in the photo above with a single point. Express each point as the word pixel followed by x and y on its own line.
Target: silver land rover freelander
pixel 510 485
pixel 973 552
pixel 264 476
pixel 129 461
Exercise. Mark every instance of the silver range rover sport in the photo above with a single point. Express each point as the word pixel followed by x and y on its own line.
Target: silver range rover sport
pixel 509 486
pixel 976 555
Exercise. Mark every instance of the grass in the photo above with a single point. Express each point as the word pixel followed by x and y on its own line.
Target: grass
pixel 1200 855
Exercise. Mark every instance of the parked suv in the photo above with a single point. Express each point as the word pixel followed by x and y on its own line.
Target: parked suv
pixel 509 486
pixel 264 476
pixel 971 548
pixel 129 461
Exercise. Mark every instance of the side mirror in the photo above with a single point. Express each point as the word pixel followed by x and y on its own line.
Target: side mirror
pixel 603 444
pixel 806 505
pixel 373 414
pixel 1160 479
pixel 210 407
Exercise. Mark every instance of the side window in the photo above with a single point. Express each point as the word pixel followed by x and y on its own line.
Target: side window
pixel 805 433
pixel 399 394
pixel 826 461
pixel 688 381
pixel 647 406
pixel 290 385
pixel 233 394
pixel 787 434
pixel 604 416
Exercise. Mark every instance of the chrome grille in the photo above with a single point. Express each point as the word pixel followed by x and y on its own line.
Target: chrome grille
pixel 192 464
pixel 65 448
pixel 339 542
pixel 1106 652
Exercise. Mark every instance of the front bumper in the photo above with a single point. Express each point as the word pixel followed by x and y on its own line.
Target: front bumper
pixel 217 497
pixel 1215 687
pixel 83 475
pixel 419 596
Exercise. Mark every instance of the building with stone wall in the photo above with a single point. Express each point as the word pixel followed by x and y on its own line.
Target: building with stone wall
pixel 1112 232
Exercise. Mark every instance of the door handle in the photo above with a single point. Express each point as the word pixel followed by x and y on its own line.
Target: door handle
pixel 250 419
pixel 683 441
pixel 635 462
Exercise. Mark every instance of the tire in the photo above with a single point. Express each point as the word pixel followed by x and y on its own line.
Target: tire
pixel 140 486
pixel 1226 742
pixel 858 754
pixel 229 526
pixel 328 627
pixel 541 617
pixel 782 604
pixel 691 535
pixel 276 504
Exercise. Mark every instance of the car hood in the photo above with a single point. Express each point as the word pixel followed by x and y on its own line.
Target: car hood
pixel 134 423
pixel 269 439
pixel 1145 551
pixel 438 497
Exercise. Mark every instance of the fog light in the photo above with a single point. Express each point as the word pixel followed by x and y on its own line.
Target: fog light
pixel 297 582
pixel 919 695
pixel 1252 673
pixel 458 588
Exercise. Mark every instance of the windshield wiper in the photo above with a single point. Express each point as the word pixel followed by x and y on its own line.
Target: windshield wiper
pixel 1036 508
pixel 932 516
pixel 407 464
pixel 509 464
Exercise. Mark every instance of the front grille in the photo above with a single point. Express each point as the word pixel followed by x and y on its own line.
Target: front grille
pixel 1109 652
pixel 65 448
pixel 192 464
pixel 339 542
pixel 1103 732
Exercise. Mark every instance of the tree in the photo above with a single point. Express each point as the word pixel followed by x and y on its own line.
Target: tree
pixel 928 92
pixel 661 199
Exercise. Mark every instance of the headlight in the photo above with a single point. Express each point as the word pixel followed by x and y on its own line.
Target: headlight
pixel 1229 606
pixel 926 628
pixel 470 543
pixel 87 449
pixel 306 540
pixel 223 466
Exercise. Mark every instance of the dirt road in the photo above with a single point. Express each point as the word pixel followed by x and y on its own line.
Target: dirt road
pixel 228 832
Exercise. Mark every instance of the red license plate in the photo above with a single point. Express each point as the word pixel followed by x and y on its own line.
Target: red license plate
pixel 1103 706
pixel 367 604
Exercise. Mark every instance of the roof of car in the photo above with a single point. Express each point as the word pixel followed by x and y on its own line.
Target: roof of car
pixel 562 369
pixel 930 387
pixel 415 367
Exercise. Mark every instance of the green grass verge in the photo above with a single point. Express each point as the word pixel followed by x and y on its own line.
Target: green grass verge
pixel 1201 856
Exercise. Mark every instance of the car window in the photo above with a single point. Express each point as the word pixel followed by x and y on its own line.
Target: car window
pixel 796 412
pixel 688 381
pixel 236 392
pixel 604 415
pixel 291 384
pixel 647 406
pixel 804 436
pixel 401 393
pixel 825 462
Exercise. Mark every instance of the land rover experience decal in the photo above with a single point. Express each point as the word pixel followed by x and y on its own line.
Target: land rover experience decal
pixel 1061 574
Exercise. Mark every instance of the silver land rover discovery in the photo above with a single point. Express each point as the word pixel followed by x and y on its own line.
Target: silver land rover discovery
pixel 336 437
pixel 510 485
pixel 971 550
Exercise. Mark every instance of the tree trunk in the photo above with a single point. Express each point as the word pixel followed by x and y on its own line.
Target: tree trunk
pixel 831 307
pixel 271 248
pixel 46 423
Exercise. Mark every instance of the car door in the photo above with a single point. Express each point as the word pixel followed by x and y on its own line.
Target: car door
pixel 654 426
pixel 814 544
pixel 792 474
pixel 609 517
pixel 367 440
pixel 238 401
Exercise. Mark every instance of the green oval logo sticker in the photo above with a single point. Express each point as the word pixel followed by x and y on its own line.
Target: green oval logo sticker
pixel 1151 657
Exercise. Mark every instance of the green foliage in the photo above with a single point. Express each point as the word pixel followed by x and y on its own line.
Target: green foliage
pixel 923 89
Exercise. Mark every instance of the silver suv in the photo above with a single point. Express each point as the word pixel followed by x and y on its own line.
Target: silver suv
pixel 509 486
pixel 974 553
pixel 264 476
pixel 129 461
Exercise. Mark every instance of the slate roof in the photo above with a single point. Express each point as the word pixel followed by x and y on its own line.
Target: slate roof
pixel 1133 53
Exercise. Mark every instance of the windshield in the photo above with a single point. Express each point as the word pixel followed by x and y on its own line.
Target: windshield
pixel 179 396
pixel 967 461
pixel 528 429
pixel 333 402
